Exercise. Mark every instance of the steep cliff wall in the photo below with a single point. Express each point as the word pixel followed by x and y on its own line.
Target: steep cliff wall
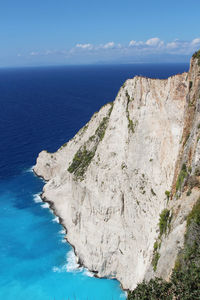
pixel 108 184
pixel 186 182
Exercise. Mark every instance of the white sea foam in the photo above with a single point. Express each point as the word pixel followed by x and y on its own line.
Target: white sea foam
pixel 62 231
pixel 51 210
pixel 60 269
pixel 72 264
pixel 56 269
pixel 45 205
pixel 86 272
pixel 56 219
pixel 122 295
pixel 63 241
pixel 29 169
pixel 37 198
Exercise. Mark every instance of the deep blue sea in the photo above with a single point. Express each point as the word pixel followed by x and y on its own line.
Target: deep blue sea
pixel 42 108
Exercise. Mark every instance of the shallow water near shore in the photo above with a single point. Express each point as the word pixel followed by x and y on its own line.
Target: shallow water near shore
pixel 36 262
pixel 42 108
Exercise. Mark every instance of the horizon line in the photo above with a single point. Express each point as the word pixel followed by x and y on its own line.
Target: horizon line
pixel 92 64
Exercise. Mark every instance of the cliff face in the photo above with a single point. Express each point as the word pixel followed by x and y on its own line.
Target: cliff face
pixel 186 182
pixel 108 183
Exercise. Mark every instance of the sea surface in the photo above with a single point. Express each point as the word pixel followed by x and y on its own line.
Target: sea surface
pixel 42 108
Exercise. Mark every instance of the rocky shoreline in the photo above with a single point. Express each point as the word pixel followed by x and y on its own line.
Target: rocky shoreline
pixel 80 264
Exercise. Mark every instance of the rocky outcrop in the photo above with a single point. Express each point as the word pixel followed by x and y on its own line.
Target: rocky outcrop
pixel 110 183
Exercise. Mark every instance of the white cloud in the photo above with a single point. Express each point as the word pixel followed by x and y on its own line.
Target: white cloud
pixel 132 43
pixel 109 45
pixel 88 46
pixel 183 47
pixel 153 42
pixel 136 43
pixel 85 46
pixel 55 52
pixel 156 45
pixel 172 45
pixel 34 53
pixel 196 41
pixel 134 49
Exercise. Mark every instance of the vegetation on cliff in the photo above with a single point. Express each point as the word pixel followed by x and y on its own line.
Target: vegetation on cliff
pixel 182 175
pixel 164 225
pixel 131 125
pixel 197 55
pixel 185 279
pixel 85 154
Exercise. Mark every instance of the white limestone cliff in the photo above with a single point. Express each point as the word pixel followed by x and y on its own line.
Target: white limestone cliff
pixel 108 183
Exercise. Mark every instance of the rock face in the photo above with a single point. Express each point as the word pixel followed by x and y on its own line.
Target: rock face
pixel 108 183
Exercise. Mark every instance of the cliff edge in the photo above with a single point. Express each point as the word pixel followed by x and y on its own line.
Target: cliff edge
pixel 135 161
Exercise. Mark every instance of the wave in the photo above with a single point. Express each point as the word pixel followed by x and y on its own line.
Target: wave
pixel 72 264
pixel 29 170
pixel 56 219
pixel 86 272
pixel 51 210
pixel 45 205
pixel 62 231
pixel 37 198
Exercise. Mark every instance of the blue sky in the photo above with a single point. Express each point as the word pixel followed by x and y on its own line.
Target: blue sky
pixel 50 32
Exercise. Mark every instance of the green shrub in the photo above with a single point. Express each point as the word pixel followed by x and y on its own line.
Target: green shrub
pixel 197 171
pixel 155 289
pixel 156 245
pixel 197 56
pixel 123 165
pixel 188 192
pixel 100 132
pixel 64 145
pixel 167 193
pixel 131 125
pixel 155 260
pixel 194 215
pixel 164 221
pixel 164 224
pixel 182 175
pixel 127 95
pixel 186 274
pixel 81 161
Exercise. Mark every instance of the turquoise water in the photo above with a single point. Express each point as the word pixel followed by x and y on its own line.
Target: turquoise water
pixel 42 108
pixel 36 261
